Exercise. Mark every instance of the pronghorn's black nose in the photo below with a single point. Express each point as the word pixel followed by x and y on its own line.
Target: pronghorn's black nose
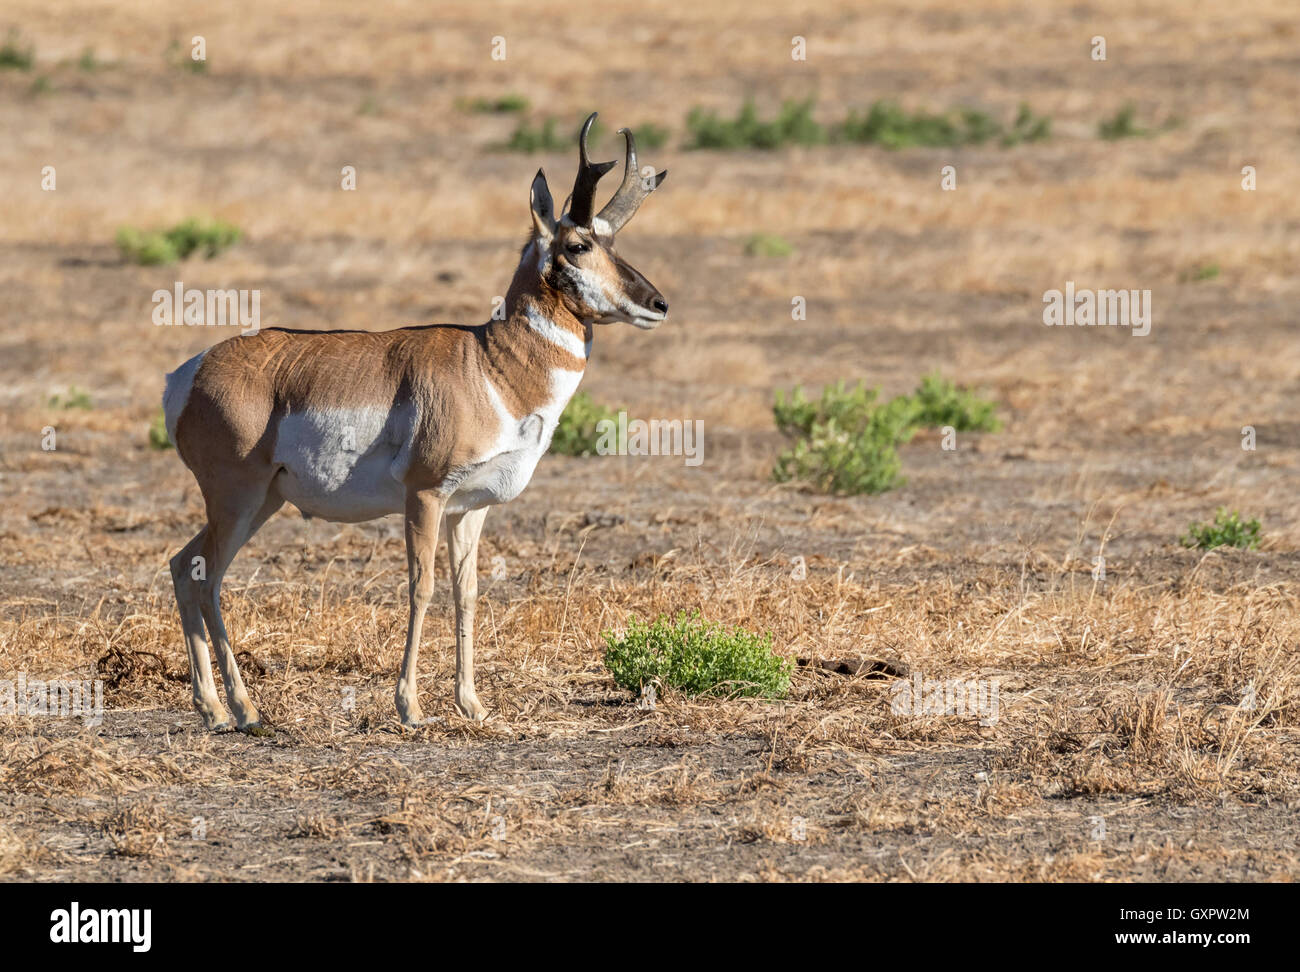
pixel 660 305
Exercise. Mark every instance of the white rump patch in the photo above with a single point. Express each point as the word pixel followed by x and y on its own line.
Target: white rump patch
pixel 176 394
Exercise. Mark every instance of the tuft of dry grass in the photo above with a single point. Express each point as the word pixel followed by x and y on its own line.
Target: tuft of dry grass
pixel 140 829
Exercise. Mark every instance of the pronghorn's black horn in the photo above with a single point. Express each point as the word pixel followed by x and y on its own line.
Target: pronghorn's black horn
pixel 632 192
pixel 589 173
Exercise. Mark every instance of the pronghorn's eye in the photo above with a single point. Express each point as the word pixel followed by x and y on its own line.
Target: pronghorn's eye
pixel 578 247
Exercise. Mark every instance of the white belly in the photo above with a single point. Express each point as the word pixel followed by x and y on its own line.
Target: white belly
pixel 344 464
pixel 350 464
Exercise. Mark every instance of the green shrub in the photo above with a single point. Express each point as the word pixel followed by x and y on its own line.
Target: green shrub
pixel 1227 530
pixel 210 236
pixel 14 55
pixel 1122 125
pixel 529 138
pixel 938 402
pixel 158 437
pixel 88 61
pixel 183 58
pixel 1200 273
pixel 888 124
pixel 650 136
pixel 575 433
pixel 793 125
pixel 150 247
pixel 1027 127
pixel 74 397
pixel 697 658
pixel 767 245
pixel 845 442
pixel 505 105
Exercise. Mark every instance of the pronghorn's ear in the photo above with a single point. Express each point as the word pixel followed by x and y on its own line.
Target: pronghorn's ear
pixel 543 207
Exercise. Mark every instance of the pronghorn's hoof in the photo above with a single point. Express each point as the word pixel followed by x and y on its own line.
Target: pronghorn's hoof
pixel 422 723
pixel 472 709
pixel 256 729
pixel 215 718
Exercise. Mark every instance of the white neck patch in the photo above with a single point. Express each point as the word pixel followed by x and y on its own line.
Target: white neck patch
pixel 557 335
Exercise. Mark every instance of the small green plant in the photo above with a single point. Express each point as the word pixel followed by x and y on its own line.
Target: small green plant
pixel 145 248
pixel 845 442
pixel 938 402
pixel 41 85
pixel 575 433
pixel 504 105
pixel 88 61
pixel 158 437
pixel 153 247
pixel 1122 125
pixel 1227 530
pixel 536 138
pixel 185 60
pixel 651 136
pixel 1027 127
pixel 74 397
pixel 210 236
pixel 697 658
pixel 793 125
pixel 767 245
pixel 1200 273
pixel 369 106
pixel 14 55
pixel 888 124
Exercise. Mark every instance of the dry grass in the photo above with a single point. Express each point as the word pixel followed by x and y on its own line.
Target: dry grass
pixel 139 830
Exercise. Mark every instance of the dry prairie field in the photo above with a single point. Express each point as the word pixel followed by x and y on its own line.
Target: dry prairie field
pixel 1147 726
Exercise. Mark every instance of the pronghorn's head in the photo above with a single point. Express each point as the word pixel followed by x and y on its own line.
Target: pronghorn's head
pixel 575 252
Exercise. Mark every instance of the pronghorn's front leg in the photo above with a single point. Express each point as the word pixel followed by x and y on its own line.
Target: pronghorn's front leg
pixel 462 550
pixel 423 511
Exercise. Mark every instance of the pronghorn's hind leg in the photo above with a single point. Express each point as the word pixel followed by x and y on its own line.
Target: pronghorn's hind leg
pixel 184 568
pixel 232 520
pixel 197 572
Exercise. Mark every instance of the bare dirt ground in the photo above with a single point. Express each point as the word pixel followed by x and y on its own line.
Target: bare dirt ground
pixel 1123 749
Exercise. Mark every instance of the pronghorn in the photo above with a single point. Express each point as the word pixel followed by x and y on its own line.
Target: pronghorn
pixel 437 421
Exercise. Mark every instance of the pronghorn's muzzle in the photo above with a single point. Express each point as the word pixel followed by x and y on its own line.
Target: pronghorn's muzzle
pixel 645 307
